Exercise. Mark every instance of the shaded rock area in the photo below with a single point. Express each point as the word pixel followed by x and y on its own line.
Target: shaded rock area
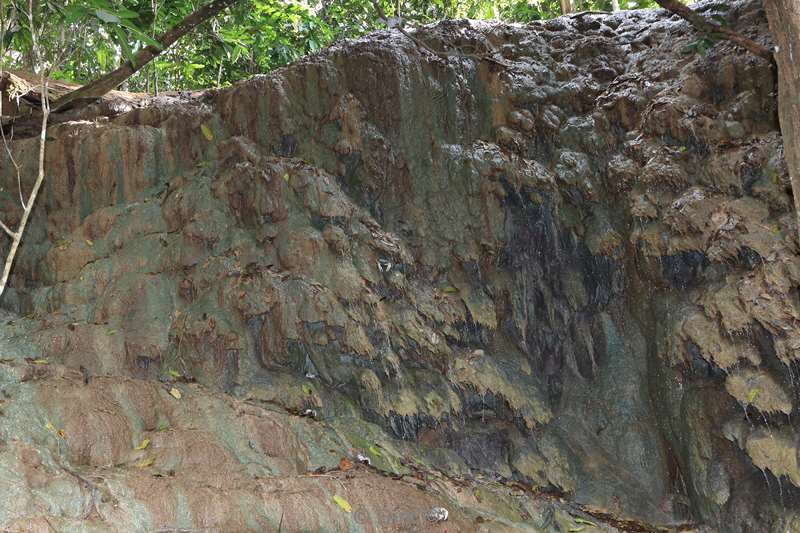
pixel 558 295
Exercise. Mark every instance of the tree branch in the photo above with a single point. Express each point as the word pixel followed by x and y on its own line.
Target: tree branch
pixel 715 30
pixel 115 78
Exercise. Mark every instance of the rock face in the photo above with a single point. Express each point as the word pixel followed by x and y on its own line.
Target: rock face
pixel 522 289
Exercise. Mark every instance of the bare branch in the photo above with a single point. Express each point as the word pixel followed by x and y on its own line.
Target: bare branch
pixel 11 155
pixel 715 30
pixel 27 206
pixel 32 199
pixel 7 230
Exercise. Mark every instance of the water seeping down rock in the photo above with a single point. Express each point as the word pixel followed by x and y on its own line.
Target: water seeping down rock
pixel 549 292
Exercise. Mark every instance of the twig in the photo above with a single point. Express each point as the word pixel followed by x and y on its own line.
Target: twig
pixel 26 213
pixel 584 13
pixel 94 490
pixel 715 30
pixel 8 151
pixel 177 530
pixel 7 230
pixel 2 130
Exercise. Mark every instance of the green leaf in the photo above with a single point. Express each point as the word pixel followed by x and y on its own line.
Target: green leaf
pixel 142 36
pixel 122 40
pixel 75 13
pixel 105 16
pixel 124 13
pixel 719 19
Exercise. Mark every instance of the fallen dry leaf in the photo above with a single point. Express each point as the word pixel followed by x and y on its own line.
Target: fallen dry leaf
pixel 144 463
pixel 344 504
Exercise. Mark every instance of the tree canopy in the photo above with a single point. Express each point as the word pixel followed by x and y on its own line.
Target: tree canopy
pixel 78 40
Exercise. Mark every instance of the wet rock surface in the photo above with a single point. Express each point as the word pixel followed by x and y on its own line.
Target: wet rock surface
pixel 523 292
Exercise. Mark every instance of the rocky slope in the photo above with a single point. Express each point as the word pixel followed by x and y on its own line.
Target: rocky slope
pixel 546 281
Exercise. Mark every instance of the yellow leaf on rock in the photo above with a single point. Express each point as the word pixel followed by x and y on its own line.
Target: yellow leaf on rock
pixel 752 395
pixel 207 133
pixel 50 426
pixel 175 393
pixel 174 373
pixel 144 463
pixel 449 290
pixel 62 433
pixel 344 504
pixel 41 362
pixel 144 444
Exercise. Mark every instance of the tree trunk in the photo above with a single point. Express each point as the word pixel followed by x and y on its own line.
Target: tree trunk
pixel 567 6
pixel 114 79
pixel 784 24
pixel 614 5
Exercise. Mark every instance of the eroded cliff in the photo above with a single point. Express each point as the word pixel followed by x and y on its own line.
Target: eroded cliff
pixel 523 289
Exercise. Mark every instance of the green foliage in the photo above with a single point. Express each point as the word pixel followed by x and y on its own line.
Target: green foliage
pixel 701 46
pixel 81 39
pixel 76 38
